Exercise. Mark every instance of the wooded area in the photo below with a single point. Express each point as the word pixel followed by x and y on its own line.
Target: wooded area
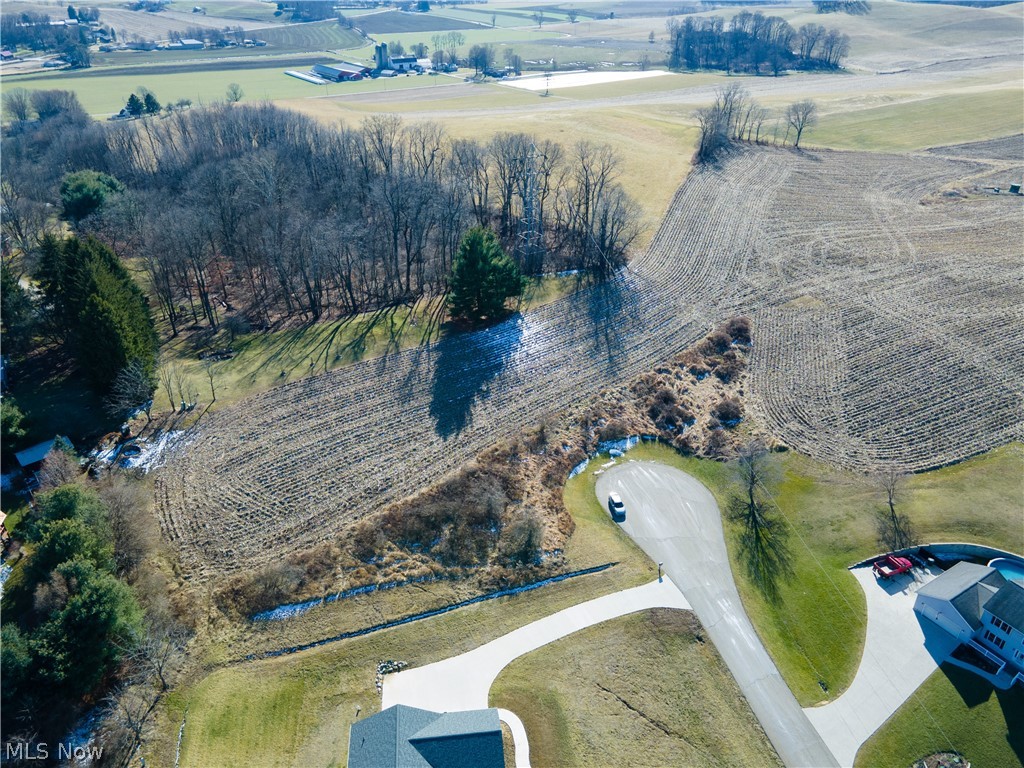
pixel 257 212
pixel 754 43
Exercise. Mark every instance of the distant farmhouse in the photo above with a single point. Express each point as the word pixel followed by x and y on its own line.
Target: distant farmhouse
pixel 407 737
pixel 385 61
pixel 385 65
pixel 984 611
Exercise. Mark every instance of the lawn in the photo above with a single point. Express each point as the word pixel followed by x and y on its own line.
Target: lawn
pixel 922 123
pixel 816 631
pixel 953 711
pixel 642 689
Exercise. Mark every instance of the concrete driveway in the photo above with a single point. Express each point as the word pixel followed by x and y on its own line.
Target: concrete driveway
pixel 901 650
pixel 676 520
pixel 464 682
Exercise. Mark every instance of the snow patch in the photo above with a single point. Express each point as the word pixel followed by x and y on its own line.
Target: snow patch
pixel 152 454
pixel 575 79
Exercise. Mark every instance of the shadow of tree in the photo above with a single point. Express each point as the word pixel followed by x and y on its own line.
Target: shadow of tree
pixel 607 311
pixel 764 549
pixel 463 369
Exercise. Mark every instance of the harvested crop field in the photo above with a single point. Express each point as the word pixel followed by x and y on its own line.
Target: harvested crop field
pixel 392 22
pixel 887 330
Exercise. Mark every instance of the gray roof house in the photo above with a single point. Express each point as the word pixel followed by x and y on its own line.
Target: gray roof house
pixel 955 599
pixel 407 737
pixel 34 455
pixel 1002 628
pixel 978 606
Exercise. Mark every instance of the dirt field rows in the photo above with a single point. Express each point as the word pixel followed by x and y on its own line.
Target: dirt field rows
pixel 887 329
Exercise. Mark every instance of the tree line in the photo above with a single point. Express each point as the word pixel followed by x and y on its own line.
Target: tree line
pixel 754 43
pixel 257 212
pixel 734 116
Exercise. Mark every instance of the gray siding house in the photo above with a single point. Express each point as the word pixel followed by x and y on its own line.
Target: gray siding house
pixel 981 609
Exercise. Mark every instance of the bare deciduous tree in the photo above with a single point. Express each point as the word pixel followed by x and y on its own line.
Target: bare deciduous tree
pixel 59 468
pixel 133 388
pixel 801 116
pixel 18 104
pixel 210 367
pixel 895 531
pixel 135 530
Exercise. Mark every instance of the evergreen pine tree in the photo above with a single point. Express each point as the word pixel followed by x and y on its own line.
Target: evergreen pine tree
pixel 483 277
pixel 151 105
pixel 135 106
pixel 97 307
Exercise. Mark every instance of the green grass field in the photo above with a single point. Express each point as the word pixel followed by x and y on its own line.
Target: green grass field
pixel 106 95
pixel 926 122
pixel 954 710
pixel 643 689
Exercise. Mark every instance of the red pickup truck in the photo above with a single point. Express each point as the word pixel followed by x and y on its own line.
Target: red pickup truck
pixel 890 565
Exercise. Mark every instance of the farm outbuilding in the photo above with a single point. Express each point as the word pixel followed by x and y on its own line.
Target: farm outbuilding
pixel 404 63
pixel 340 71
pixel 31 458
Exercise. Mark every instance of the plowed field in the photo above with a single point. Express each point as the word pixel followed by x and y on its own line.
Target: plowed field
pixel 887 330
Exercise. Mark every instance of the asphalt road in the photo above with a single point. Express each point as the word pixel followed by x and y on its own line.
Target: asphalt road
pixel 676 521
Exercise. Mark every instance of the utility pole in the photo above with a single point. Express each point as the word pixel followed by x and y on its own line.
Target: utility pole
pixel 530 244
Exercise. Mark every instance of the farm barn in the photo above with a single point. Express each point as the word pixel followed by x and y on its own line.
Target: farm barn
pixel 340 71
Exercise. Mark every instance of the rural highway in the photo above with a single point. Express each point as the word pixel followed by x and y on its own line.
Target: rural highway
pixel 676 521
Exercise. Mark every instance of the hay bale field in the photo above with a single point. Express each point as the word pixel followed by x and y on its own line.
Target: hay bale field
pixel 887 330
